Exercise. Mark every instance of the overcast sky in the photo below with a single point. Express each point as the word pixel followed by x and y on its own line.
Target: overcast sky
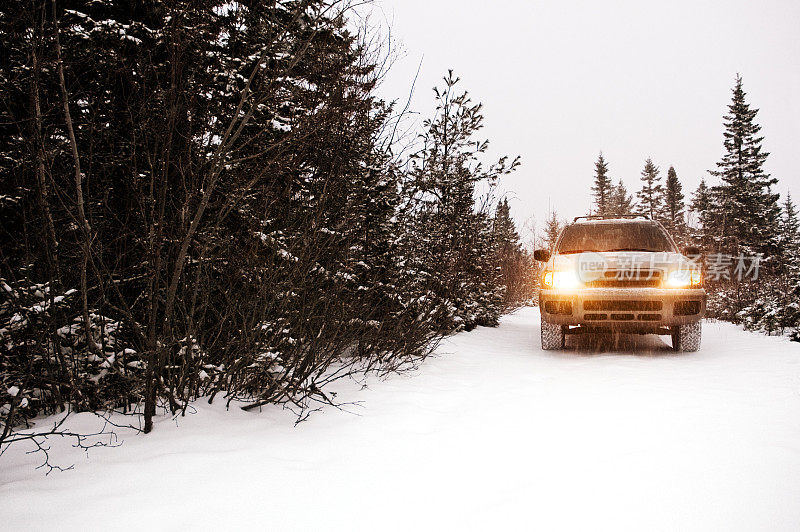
pixel 563 80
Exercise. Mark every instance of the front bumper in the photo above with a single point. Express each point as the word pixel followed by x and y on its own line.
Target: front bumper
pixel 623 308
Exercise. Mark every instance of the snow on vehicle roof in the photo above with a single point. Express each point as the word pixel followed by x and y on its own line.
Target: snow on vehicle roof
pixel 614 220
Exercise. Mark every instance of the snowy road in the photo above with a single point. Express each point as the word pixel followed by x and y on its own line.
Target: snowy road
pixel 491 433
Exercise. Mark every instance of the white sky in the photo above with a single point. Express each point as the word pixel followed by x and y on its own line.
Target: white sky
pixel 562 80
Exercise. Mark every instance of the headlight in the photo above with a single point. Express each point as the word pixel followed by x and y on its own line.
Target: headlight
pixel 561 280
pixel 684 278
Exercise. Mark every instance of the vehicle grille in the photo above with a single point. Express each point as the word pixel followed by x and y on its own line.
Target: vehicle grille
pixel 602 316
pixel 621 310
pixel 649 317
pixel 622 317
pixel 621 305
pixel 627 279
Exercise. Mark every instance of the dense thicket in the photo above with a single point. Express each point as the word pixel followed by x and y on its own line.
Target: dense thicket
pixel 199 198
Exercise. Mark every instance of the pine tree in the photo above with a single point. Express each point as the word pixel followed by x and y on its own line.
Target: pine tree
pixel 602 188
pixel 673 216
pixel 775 305
pixel 789 268
pixel 552 229
pixel 651 196
pixel 787 256
pixel 748 210
pixel 621 201
pixel 789 237
pixel 505 232
pixel 514 262
pixel 701 206
pixel 443 174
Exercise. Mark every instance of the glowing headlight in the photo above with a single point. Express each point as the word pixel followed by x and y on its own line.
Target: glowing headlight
pixel 683 278
pixel 561 280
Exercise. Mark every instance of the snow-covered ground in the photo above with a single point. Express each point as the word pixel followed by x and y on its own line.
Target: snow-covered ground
pixel 490 433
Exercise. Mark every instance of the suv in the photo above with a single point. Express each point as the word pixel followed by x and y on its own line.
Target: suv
pixel 620 274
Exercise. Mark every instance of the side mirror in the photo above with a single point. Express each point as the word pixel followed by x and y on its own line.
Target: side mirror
pixel 692 251
pixel 542 255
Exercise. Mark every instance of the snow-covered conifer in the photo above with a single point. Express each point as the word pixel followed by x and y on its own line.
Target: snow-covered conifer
pixel 602 189
pixel 621 201
pixel 673 216
pixel 746 208
pixel 651 195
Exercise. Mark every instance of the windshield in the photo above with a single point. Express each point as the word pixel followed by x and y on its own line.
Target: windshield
pixel 614 237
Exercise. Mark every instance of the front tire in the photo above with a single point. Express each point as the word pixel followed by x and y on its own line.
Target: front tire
pixel 552 336
pixel 687 337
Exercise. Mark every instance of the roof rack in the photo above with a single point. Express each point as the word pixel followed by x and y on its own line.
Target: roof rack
pixel 609 216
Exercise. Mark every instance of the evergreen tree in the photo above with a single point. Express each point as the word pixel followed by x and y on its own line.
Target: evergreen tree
pixel 789 236
pixel 621 201
pixel 602 188
pixel 701 206
pixel 775 300
pixel 747 209
pixel 505 232
pixel 552 229
pixel 673 216
pixel 651 195
pixel 515 264
pixel 789 268
pixel 459 256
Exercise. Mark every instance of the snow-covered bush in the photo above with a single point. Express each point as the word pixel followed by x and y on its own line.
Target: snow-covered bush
pixel 218 211
pixel 47 359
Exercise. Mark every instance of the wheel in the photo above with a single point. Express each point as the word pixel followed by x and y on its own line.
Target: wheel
pixel 552 336
pixel 687 337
